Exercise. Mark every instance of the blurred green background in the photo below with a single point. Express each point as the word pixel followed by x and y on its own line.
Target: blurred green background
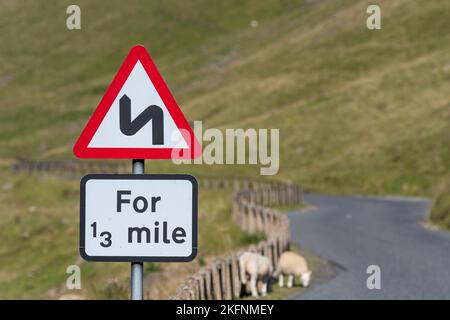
pixel 359 111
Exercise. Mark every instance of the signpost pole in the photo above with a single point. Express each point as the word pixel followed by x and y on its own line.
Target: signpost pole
pixel 137 268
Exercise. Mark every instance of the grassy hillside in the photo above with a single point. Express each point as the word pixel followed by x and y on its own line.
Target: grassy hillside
pixel 359 111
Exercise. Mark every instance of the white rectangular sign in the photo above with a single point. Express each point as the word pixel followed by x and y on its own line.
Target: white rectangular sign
pixel 144 217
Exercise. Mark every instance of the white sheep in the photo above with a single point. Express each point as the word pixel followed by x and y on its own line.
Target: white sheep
pixel 258 268
pixel 292 265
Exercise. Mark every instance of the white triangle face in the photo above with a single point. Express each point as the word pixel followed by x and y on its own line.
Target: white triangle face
pixel 139 88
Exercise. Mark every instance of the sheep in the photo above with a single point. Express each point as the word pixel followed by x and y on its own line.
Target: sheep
pixel 257 267
pixel 292 265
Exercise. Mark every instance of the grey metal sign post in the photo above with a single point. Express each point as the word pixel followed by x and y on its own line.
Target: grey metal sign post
pixel 137 268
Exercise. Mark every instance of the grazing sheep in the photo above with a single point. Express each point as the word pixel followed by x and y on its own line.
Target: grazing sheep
pixel 257 267
pixel 292 265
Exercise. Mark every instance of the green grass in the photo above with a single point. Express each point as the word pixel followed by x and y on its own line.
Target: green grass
pixel 252 238
pixel 440 212
pixel 359 111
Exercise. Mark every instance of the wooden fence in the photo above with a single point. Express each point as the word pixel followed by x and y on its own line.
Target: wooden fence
pixel 252 211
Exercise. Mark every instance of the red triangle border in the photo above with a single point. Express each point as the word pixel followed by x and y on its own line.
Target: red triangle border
pixel 81 149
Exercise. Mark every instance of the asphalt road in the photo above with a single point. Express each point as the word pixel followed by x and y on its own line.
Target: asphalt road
pixel 352 232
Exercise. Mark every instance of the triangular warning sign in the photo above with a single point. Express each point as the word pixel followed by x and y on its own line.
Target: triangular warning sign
pixel 137 117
